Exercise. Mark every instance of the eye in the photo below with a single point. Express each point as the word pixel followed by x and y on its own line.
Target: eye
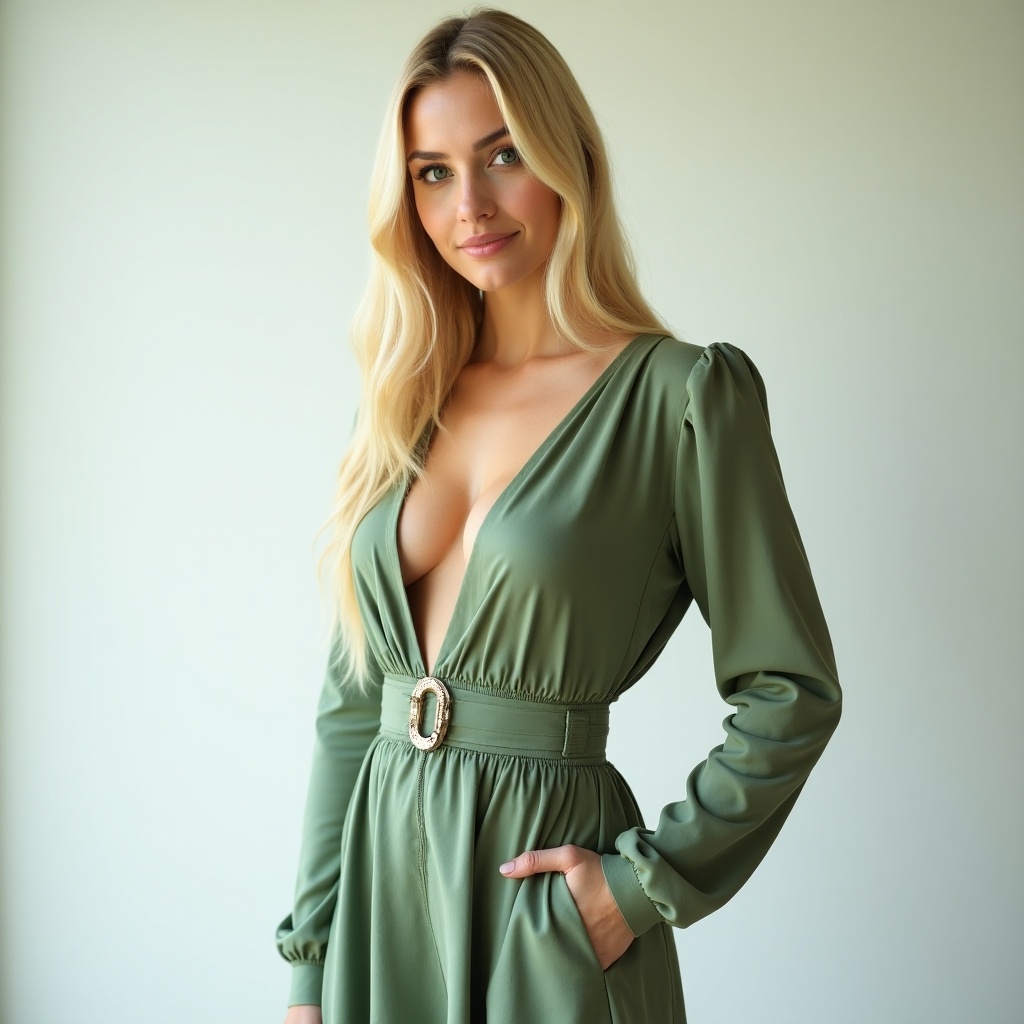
pixel 432 174
pixel 512 155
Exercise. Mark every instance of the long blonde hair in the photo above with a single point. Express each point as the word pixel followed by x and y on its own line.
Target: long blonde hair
pixel 416 324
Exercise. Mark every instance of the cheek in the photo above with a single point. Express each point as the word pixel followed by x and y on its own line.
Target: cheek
pixel 539 206
pixel 430 215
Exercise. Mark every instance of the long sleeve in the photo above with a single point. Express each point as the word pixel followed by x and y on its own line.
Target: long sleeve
pixel 745 566
pixel 346 723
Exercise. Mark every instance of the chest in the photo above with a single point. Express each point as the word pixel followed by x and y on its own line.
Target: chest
pixel 577 533
pixel 492 428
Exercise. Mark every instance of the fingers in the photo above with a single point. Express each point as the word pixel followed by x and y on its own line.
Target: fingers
pixel 532 862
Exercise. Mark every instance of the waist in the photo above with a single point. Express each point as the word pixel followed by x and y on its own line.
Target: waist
pixel 432 713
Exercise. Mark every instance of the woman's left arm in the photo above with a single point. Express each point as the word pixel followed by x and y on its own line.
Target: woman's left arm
pixel 745 566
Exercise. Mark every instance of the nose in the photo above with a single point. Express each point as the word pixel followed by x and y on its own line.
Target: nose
pixel 475 198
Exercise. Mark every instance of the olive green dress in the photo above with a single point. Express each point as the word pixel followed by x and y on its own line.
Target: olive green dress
pixel 660 487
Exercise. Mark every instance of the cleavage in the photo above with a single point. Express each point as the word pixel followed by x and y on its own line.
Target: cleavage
pixel 496 423
pixel 439 523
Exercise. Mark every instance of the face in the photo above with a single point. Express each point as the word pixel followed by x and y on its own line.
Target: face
pixel 491 220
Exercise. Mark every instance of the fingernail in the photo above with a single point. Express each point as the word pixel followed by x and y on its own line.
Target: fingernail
pixel 507 867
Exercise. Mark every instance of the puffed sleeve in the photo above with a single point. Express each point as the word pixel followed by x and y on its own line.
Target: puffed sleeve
pixel 745 566
pixel 346 722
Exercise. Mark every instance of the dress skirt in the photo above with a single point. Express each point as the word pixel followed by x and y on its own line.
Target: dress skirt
pixel 424 838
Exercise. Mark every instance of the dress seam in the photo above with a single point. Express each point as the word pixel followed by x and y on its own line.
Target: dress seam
pixel 504 691
pixel 421 772
pixel 672 513
pixel 705 356
pixel 643 592
pixel 558 761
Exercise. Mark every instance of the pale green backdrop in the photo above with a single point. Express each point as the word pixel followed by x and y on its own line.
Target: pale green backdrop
pixel 838 188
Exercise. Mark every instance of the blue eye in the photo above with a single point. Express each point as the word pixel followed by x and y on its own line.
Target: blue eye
pixel 514 156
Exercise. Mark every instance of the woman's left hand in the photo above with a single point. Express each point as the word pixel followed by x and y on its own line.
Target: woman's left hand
pixel 609 934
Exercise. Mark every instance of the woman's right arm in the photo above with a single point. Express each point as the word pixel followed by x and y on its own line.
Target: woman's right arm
pixel 347 720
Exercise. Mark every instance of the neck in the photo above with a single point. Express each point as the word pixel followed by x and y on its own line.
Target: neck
pixel 516 326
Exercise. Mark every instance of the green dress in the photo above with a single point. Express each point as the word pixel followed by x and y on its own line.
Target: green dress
pixel 660 487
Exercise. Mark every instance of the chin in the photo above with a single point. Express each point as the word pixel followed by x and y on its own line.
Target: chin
pixel 494 279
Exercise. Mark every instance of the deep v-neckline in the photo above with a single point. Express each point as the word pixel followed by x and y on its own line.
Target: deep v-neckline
pixel 514 484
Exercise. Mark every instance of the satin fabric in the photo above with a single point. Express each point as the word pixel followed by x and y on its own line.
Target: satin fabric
pixel 660 488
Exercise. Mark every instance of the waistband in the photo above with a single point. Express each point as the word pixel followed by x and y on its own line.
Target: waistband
pixel 493 723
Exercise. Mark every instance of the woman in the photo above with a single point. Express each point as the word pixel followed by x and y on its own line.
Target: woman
pixel 540 482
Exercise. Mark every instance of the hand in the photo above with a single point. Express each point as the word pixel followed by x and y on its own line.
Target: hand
pixel 609 934
pixel 304 1013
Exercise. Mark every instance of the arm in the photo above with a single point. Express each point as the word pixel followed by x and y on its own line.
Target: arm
pixel 346 723
pixel 745 565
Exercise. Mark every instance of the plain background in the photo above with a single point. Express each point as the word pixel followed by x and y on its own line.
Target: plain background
pixel 837 188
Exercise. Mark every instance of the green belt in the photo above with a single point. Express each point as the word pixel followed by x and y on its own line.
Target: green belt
pixel 492 723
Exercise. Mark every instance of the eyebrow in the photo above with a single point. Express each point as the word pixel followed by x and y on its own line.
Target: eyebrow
pixel 422 154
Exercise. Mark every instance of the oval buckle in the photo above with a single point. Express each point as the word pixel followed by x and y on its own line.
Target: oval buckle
pixel 441 714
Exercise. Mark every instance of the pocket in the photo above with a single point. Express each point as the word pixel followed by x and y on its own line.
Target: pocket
pixel 547 970
pixel 562 900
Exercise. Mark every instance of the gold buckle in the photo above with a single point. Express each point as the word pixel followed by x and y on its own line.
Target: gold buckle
pixel 441 714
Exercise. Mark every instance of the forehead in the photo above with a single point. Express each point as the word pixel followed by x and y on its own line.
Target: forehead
pixel 451 114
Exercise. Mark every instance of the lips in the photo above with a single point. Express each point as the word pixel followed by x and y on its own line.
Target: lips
pixel 486 245
pixel 474 241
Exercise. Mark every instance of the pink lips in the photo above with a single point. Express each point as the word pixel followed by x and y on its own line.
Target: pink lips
pixel 486 245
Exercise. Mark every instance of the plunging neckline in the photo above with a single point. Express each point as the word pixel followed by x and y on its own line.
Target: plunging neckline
pixel 514 484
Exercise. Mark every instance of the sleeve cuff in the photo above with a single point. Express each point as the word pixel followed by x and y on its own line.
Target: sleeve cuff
pixel 307 984
pixel 634 904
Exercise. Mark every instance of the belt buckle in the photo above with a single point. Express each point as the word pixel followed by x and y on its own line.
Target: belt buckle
pixel 442 713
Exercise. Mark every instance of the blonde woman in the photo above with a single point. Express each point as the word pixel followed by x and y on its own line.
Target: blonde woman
pixel 541 481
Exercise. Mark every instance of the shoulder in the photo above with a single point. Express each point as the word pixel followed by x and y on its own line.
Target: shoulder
pixel 686 370
pixel 687 381
pixel 677 360
pixel 672 360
